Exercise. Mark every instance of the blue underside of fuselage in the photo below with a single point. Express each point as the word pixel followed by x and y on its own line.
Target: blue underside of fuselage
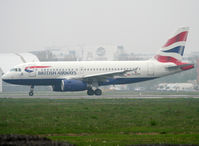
pixel 42 82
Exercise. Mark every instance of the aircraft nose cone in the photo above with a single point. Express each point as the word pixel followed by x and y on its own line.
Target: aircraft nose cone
pixel 4 77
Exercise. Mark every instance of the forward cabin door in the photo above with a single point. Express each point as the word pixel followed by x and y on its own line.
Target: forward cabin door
pixel 31 71
pixel 33 74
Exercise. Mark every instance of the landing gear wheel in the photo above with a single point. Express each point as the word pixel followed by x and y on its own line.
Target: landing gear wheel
pixel 98 92
pixel 90 92
pixel 31 93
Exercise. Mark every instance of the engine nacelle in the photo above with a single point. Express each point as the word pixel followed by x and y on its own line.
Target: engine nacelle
pixel 70 85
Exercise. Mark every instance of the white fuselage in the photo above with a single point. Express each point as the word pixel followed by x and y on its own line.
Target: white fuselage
pixel 77 70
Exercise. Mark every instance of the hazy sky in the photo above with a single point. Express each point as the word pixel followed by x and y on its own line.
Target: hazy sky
pixel 139 25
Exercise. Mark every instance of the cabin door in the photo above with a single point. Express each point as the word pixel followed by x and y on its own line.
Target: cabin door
pixel 31 71
pixel 150 69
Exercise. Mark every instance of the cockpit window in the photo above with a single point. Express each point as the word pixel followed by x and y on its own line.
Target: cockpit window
pixel 15 70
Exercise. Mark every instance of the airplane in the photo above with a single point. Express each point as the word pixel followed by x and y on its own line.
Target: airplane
pixel 91 75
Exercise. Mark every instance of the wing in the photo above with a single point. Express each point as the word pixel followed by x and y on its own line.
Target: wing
pixel 101 77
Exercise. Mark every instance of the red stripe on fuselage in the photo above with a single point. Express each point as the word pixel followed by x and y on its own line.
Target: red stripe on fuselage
pixel 179 37
pixel 166 59
pixel 38 67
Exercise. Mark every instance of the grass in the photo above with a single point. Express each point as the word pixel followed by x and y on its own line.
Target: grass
pixel 104 121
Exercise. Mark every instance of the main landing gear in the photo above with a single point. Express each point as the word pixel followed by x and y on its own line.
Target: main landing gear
pixel 31 93
pixel 97 92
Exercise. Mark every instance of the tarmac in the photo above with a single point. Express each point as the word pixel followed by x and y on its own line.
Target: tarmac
pixel 53 95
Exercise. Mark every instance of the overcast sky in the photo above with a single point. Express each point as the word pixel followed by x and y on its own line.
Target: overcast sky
pixel 139 25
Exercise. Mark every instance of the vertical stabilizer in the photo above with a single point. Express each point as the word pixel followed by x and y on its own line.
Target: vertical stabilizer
pixel 173 49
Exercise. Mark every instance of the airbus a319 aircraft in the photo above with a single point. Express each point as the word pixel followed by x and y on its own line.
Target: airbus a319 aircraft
pixel 90 75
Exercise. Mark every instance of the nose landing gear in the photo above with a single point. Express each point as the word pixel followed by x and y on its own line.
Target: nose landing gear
pixel 31 93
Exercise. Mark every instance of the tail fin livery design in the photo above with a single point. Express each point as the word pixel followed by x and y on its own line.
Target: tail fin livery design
pixel 173 50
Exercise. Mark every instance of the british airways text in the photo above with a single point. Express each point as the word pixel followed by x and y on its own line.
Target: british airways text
pixel 53 73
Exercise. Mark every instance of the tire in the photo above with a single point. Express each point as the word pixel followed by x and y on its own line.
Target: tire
pixel 98 92
pixel 31 93
pixel 90 92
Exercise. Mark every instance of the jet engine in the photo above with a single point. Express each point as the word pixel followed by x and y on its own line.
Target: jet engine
pixel 70 85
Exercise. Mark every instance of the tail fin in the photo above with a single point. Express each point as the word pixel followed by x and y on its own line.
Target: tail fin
pixel 173 50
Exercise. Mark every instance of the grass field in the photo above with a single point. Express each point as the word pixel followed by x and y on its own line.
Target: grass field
pixel 104 121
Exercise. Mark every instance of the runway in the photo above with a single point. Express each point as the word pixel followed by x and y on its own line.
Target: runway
pixel 84 96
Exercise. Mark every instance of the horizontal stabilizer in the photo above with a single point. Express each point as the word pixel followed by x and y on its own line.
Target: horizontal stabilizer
pixel 183 67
